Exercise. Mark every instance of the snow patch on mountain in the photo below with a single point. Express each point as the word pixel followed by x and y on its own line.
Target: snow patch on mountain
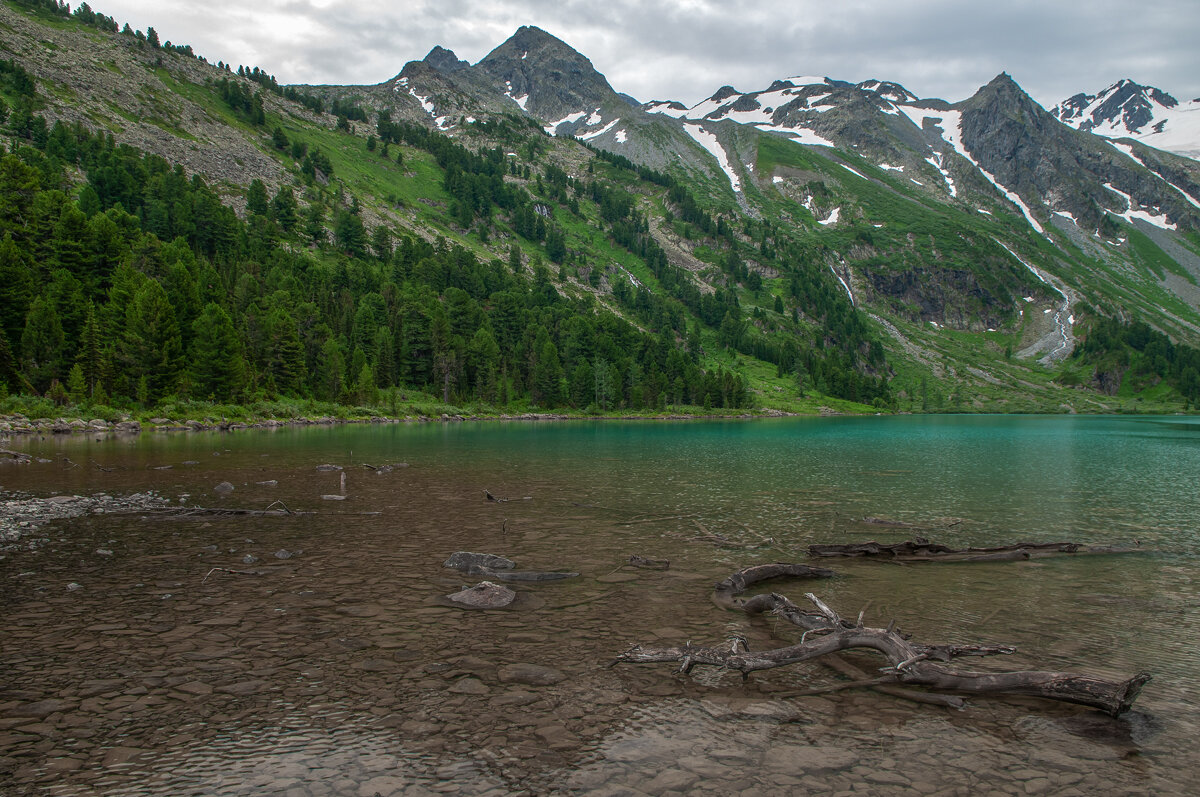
pixel 1133 212
pixel 600 132
pixel 568 119
pixel 710 143
pixel 849 292
pixel 620 136
pixel 442 122
pixel 833 219
pixel 801 135
pixel 852 171
pixel 1128 150
pixel 936 162
pixel 667 108
pixel 951 125
pixel 524 98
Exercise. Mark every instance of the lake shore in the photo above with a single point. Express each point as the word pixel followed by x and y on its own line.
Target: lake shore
pixel 18 424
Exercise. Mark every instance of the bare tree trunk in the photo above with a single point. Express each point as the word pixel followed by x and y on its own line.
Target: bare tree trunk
pixel 827 634
pixel 922 550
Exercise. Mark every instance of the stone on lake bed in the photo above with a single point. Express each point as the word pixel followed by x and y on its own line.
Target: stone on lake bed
pixel 469 686
pixel 817 759
pixel 333 497
pixel 224 488
pixel 529 674
pixel 484 595
pixel 325 468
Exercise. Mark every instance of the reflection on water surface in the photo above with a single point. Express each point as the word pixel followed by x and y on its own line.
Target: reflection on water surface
pixel 333 671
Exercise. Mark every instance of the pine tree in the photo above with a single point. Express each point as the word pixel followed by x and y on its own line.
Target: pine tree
pixel 43 344
pixel 216 365
pixel 331 375
pixel 90 357
pixel 151 348
pixel 483 357
pixel 77 385
pixel 285 354
pixel 547 376
pixel 256 197
pixel 16 289
pixel 284 209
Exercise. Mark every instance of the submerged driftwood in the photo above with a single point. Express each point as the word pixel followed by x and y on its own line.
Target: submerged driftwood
pixel 909 663
pixel 497 567
pixel 922 550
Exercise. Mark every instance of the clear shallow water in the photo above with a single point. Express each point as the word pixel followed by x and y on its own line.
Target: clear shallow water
pixel 334 672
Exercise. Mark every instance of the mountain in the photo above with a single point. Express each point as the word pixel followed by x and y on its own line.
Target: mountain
pixel 1129 110
pixel 517 233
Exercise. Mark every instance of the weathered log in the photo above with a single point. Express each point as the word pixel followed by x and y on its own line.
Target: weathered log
pixel 920 549
pixel 497 567
pixel 726 592
pixel 909 664
pixel 826 634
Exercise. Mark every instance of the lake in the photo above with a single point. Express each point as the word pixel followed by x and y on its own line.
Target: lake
pixel 307 654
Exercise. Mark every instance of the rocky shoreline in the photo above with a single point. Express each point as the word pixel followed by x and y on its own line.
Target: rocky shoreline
pixel 21 425
pixel 22 514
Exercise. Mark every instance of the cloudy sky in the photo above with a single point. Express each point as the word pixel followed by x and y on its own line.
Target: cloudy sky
pixel 685 49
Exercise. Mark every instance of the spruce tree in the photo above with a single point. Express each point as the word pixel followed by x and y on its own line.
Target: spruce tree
pixel 89 356
pixel 43 344
pixel 216 365
pixel 151 348
pixel 16 289
pixel 256 197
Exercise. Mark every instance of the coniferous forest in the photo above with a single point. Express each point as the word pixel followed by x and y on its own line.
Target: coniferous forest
pixel 538 278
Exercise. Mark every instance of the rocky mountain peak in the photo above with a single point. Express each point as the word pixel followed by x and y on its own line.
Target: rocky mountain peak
pixel 724 93
pixel 444 60
pixel 545 75
pixel 1125 105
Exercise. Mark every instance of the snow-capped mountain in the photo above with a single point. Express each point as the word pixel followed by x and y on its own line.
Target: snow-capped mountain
pixel 998 150
pixel 1129 110
pixel 792 106
pixel 998 145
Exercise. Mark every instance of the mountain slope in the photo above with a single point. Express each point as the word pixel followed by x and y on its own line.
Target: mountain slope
pixel 918 243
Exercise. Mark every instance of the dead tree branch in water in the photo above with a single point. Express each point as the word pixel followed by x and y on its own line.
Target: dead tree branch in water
pixel 920 549
pixel 909 663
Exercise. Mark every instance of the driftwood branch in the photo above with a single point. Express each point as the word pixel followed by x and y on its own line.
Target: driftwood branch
pixel 910 664
pixel 922 550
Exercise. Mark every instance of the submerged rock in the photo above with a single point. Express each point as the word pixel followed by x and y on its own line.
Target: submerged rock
pixel 530 674
pixel 484 595
pixel 224 488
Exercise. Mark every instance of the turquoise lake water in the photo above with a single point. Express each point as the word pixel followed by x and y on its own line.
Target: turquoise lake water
pixel 335 670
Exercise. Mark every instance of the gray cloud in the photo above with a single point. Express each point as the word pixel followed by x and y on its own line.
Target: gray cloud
pixel 685 49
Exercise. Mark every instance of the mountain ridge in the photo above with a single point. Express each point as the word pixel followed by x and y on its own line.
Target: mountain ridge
pixel 919 240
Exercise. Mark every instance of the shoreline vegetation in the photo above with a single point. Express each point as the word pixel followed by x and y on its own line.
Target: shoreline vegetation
pixel 199 416
pixel 19 424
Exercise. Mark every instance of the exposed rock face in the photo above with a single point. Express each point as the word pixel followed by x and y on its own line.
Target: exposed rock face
pixel 555 78
pixel 444 60
pixel 484 595
pixel 1028 151
pixel 1125 104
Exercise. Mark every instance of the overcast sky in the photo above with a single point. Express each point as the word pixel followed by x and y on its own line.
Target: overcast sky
pixel 686 49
